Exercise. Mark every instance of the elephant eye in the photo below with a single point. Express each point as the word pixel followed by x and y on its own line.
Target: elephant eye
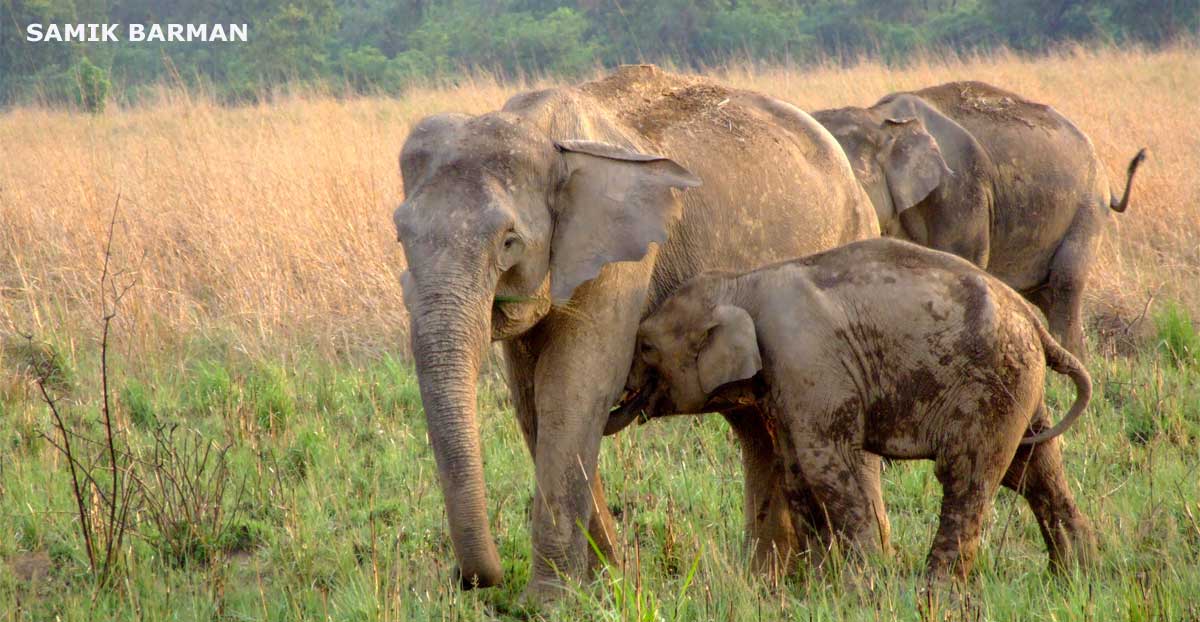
pixel 511 241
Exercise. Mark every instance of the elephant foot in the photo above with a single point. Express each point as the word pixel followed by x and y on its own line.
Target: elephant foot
pixel 947 600
pixel 1072 545
pixel 475 580
pixel 542 593
pixel 858 579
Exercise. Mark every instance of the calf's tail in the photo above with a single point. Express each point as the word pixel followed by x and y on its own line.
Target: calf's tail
pixel 1063 362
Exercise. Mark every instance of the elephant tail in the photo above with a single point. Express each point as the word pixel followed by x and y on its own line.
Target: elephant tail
pixel 1063 362
pixel 1119 206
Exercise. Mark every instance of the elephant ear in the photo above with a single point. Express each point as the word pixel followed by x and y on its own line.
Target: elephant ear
pixel 914 166
pixel 611 206
pixel 730 349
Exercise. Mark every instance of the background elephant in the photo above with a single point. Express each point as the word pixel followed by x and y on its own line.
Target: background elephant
pixel 534 226
pixel 887 347
pixel 1006 183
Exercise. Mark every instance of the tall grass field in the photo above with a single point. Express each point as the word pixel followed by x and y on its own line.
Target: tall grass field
pixel 269 442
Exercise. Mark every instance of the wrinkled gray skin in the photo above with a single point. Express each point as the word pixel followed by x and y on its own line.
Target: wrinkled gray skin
pixel 1008 184
pixel 887 347
pixel 535 226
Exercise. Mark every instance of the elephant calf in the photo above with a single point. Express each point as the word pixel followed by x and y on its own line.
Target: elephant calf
pixel 878 346
pixel 977 171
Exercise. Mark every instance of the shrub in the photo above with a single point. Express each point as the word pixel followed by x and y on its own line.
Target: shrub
pixel 190 496
pixel 243 535
pixel 92 86
pixel 1178 339
pixel 28 358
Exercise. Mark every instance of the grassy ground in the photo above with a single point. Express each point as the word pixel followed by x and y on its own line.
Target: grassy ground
pixel 267 319
pixel 341 517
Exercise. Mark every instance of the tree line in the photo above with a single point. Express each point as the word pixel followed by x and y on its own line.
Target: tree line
pixel 385 45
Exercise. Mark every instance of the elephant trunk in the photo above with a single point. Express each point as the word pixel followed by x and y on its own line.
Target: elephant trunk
pixel 450 332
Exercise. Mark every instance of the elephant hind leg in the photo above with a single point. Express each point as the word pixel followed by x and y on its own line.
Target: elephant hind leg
pixel 1062 297
pixel 969 484
pixel 1037 474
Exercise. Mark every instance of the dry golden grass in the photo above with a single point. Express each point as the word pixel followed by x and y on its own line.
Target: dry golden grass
pixel 271 224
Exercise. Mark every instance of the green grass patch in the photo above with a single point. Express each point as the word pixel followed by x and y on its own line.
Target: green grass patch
pixel 138 403
pixel 1178 338
pixel 270 397
pixel 342 516
pixel 211 389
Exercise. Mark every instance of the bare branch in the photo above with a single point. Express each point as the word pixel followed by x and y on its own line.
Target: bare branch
pixel 103 511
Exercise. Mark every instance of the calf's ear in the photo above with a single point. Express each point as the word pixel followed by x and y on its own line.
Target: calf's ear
pixel 729 352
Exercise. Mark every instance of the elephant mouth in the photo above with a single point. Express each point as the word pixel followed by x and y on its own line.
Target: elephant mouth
pixel 736 395
pixel 631 407
pixel 514 315
pixel 650 401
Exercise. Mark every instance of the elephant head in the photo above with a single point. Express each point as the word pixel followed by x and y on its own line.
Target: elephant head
pixel 693 355
pixel 499 222
pixel 896 159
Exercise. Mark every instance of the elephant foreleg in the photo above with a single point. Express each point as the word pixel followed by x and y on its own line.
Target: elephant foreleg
pixel 773 538
pixel 783 526
pixel 583 361
pixel 956 221
pixel 521 364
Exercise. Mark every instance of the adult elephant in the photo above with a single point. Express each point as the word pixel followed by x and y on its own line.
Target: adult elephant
pixel 1009 184
pixel 554 225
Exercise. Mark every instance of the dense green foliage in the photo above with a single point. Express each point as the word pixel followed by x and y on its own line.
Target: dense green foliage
pixel 385 44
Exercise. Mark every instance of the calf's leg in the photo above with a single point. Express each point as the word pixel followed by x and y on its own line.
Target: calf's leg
pixel 1037 474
